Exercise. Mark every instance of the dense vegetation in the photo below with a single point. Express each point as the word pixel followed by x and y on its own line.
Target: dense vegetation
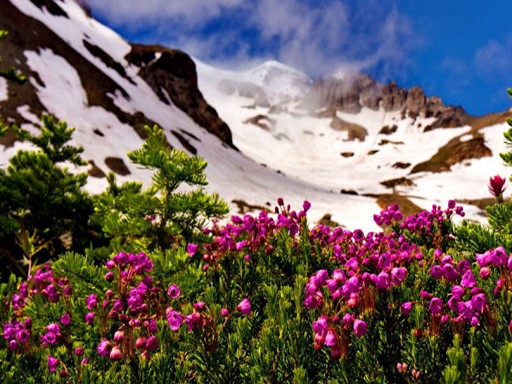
pixel 143 285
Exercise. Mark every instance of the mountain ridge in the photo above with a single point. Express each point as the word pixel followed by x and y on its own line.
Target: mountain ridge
pixel 266 132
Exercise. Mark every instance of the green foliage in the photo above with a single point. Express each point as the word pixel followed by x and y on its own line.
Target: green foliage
pixel 174 209
pixel 40 199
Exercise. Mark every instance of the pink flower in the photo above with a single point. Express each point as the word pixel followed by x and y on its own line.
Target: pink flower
pixel 140 342
pixel 360 327
pixel 151 343
pixel 436 305
pixel 193 321
pixel 468 279
pixel 89 318
pixel 406 307
pixel 116 354
pixel 478 302
pixel 244 307
pixel 497 187
pixel 104 348
pixel 191 249
pixel 224 312
pixel 175 319
pixel 174 291
pixel 119 336
pixel 53 327
pixel 65 319
pixel 50 338
pixel 52 363
pixel 91 301
pixel 330 338
pixel 79 351
pixel 320 326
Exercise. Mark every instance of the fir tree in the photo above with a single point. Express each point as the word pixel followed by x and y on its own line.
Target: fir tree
pixel 173 209
pixel 42 204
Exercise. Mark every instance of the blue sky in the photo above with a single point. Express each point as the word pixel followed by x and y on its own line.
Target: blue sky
pixel 458 50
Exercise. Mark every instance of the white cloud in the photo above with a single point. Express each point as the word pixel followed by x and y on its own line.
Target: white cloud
pixel 121 12
pixel 494 57
pixel 317 37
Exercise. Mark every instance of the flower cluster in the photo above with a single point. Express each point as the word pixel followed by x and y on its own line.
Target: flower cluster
pixel 17 333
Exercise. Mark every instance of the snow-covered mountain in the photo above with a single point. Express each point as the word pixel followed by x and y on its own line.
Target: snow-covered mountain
pixel 346 143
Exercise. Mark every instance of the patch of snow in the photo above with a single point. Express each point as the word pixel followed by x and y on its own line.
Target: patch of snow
pixel 24 111
pixel 4 89
pixel 122 102
pixel 67 100
pixel 465 138
pixel 78 27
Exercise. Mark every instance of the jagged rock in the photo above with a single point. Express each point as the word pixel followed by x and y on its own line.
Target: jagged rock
pixel 172 72
pixel 97 85
pixel 393 97
pixel 355 131
pixel 262 121
pixel 117 165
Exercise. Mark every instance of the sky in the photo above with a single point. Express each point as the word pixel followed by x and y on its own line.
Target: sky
pixel 459 50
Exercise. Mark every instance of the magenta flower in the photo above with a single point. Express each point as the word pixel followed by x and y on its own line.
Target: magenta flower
pixel 49 338
pixel 360 327
pixel 436 305
pixel 497 187
pixel 478 302
pixel 458 292
pixel 330 338
pixel 13 345
pixel 22 335
pixel 91 301
pixel 175 319
pixel 65 319
pixel 89 318
pixel 52 363
pixel 382 280
pixel 116 354
pixel 468 279
pixel 244 307
pixel 191 249
pixel 151 343
pixel 174 291
pixel 398 275
pixel 140 342
pixel 193 321
pixel 53 327
pixel 79 351
pixel 104 348
pixel 224 312
pixel 119 336
pixel 320 326
pixel 406 307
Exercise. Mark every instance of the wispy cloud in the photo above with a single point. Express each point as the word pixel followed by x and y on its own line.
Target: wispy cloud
pixel 495 56
pixel 318 37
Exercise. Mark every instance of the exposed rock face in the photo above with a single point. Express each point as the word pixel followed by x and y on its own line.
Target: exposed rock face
pixel 172 74
pixel 96 84
pixel 353 92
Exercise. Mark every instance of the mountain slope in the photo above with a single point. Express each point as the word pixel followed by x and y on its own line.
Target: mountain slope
pixel 268 132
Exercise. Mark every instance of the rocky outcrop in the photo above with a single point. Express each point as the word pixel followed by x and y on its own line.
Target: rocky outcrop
pixel 172 76
pixel 353 92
